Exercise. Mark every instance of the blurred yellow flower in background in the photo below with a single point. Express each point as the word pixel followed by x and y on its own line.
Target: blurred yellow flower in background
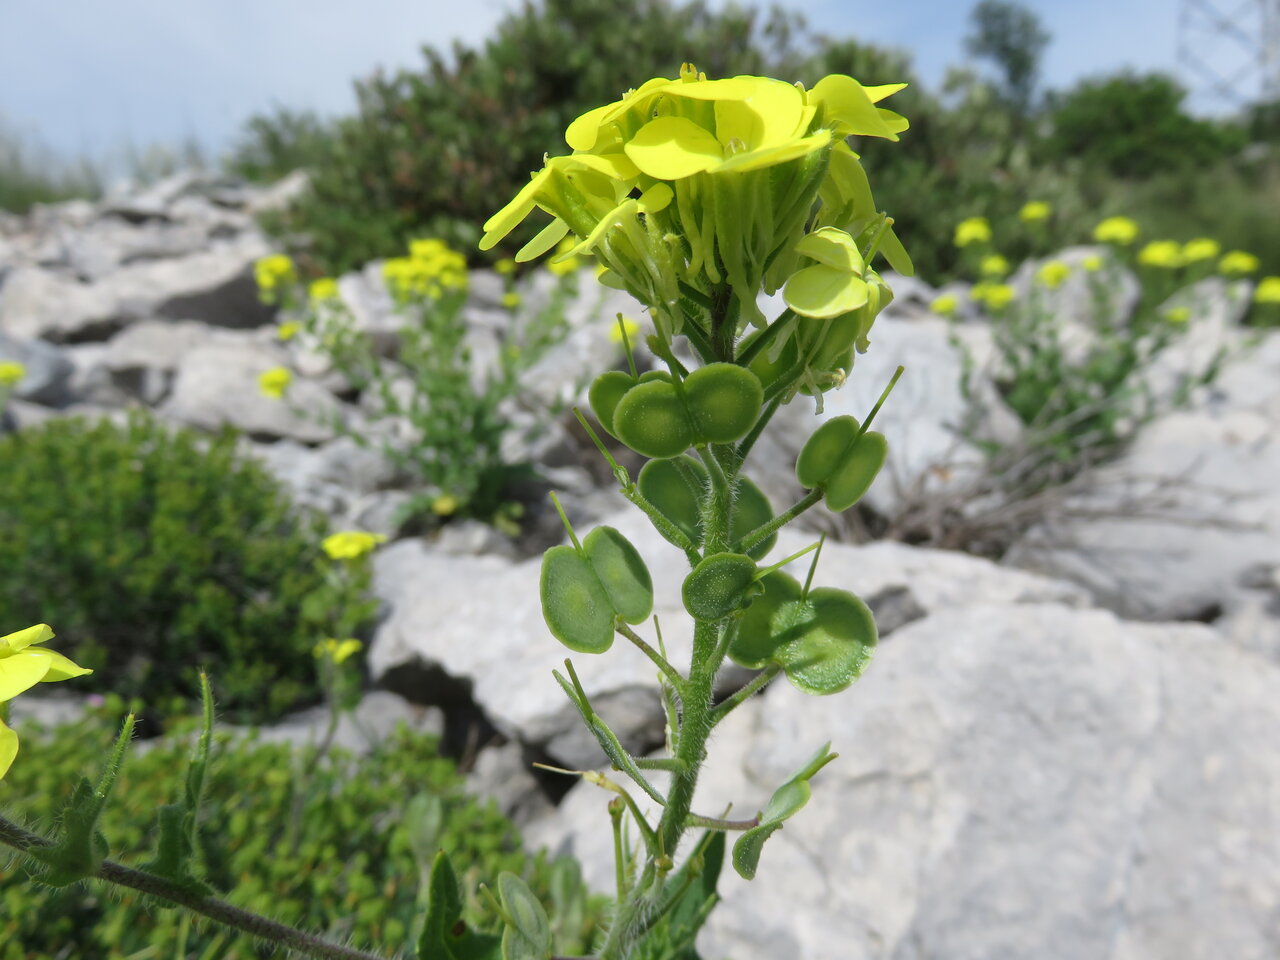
pixel 945 305
pixel 322 290
pixel 996 296
pixel 274 382
pixel 631 327
pixel 274 272
pixel 11 372
pixel 1036 211
pixel 994 265
pixel 1165 254
pixel 1120 230
pixel 1053 273
pixel 1268 290
pixel 505 267
pixel 561 265
pixel 1177 314
pixel 971 231
pixel 1237 263
pixel 288 330
pixel 1093 263
pixel 511 300
pixel 1199 249
pixel 351 544
pixel 337 650
pixel 445 505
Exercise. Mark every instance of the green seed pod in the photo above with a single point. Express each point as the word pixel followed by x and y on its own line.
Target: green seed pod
pixel 606 390
pixel 841 462
pixel 618 566
pixel 651 420
pixel 718 586
pixel 827 640
pixel 664 485
pixel 755 643
pixel 724 401
pixel 575 604
pixel 751 509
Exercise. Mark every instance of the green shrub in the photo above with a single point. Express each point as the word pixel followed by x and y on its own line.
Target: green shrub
pixel 153 551
pixel 349 870
pixel 277 143
pixel 29 174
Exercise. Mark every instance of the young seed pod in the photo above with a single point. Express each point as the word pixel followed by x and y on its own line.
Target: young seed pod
pixel 665 485
pixel 827 639
pixel 842 462
pixel 606 390
pixel 584 591
pixel 724 402
pixel 719 585
pixel 755 644
pixel 652 420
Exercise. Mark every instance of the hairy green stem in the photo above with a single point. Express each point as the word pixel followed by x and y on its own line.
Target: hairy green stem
pixel 218 910
pixel 765 530
pixel 746 692
pixel 659 660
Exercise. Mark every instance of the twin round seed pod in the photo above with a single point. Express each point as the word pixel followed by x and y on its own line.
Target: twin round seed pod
pixel 661 418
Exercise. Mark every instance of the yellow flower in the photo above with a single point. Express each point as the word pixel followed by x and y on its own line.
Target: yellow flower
pixel 1120 230
pixel 288 330
pixel 1178 314
pixel 1201 248
pixel 563 264
pixel 21 668
pixel 445 505
pixel 337 650
pixel 505 267
pixel 632 328
pixel 1268 290
pixel 274 382
pixel 1165 254
pixel 431 269
pixel 1035 212
pixel 1092 263
pixel 351 544
pixel 973 230
pixel 323 290
pixel 1237 263
pixel 1053 273
pixel 11 372
pixel 945 305
pixel 996 296
pixel 994 265
pixel 511 300
pixel 274 272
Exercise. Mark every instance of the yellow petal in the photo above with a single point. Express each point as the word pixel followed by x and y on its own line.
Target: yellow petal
pixel 848 109
pixel 770 115
pixel 62 668
pixel 672 148
pixel 8 748
pixel 894 121
pixel 506 219
pixel 656 198
pixel 618 166
pixel 878 93
pixel 772 156
pixel 24 638
pixel 583 132
pixel 893 250
pixel 21 672
pixel 824 292
pixel 547 238
pixel 832 247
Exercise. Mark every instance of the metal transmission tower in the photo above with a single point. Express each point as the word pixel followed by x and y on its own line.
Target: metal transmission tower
pixel 1230 49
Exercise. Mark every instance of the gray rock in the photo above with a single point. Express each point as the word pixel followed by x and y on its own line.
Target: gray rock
pixel 142 358
pixel 217 384
pixel 504 775
pixel 36 303
pixel 1027 781
pixel 278 195
pixel 374 720
pixel 48 370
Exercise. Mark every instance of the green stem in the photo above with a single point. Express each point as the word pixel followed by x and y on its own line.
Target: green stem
pixel 659 660
pixel 766 530
pixel 748 690
pixel 218 910
pixel 716 823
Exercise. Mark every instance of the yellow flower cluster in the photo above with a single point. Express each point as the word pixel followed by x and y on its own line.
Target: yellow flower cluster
pixel 1268 290
pixel 274 382
pixel 627 325
pixel 431 269
pixel 994 265
pixel 1237 263
pixel 1117 230
pixel 1164 254
pixel 1200 249
pixel 274 272
pixel 945 305
pixel 337 651
pixel 322 290
pixel 975 230
pixel 21 668
pixel 1053 273
pixel 1037 211
pixel 11 373
pixel 351 544
pixel 996 296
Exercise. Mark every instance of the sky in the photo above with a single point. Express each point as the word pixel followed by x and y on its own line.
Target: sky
pixel 89 77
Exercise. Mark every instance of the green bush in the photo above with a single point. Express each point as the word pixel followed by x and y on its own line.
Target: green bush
pixel 153 551
pixel 349 870
pixel 29 174
pixel 277 143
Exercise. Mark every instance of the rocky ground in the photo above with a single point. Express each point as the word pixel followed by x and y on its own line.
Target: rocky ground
pixel 1068 753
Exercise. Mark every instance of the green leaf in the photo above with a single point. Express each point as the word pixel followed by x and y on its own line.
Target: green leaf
pixel 724 401
pixel 575 604
pixel 718 585
pixel 786 801
pixel 444 934
pixel 527 935
pixel 621 572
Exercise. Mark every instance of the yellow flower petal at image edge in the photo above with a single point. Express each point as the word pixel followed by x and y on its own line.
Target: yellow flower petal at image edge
pixel 274 382
pixel 1165 254
pixel 1035 212
pixel 21 668
pixel 972 230
pixel 1201 248
pixel 350 544
pixel 1053 273
pixel 1119 230
pixel 11 372
pixel 1237 263
pixel 338 650
pixel 1268 290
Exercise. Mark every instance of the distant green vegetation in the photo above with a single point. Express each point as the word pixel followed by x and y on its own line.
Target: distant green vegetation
pixel 29 174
